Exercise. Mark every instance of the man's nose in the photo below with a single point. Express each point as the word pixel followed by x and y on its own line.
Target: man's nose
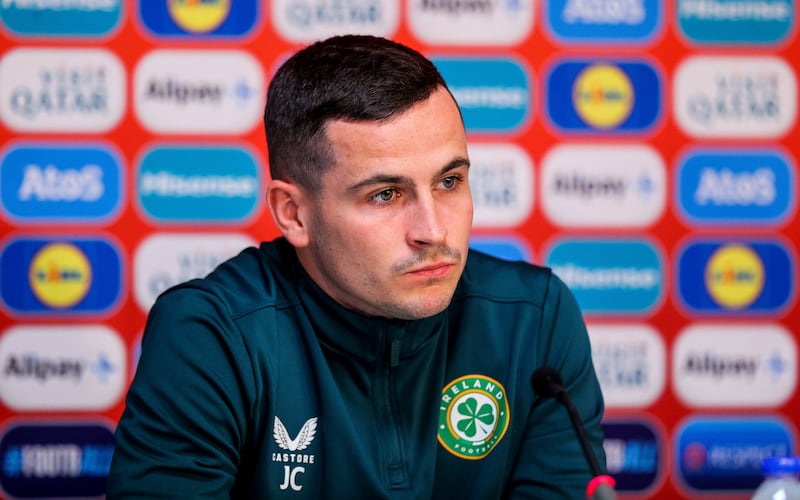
pixel 425 224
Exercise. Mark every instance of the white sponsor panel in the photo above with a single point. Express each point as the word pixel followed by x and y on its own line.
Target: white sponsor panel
pixel 199 91
pixel 471 22
pixel 734 365
pixel 735 96
pixel 630 362
pixel 61 90
pixel 501 179
pixel 164 260
pixel 603 186
pixel 306 21
pixel 64 367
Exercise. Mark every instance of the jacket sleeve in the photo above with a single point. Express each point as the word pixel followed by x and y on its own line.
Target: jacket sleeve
pixel 185 419
pixel 551 463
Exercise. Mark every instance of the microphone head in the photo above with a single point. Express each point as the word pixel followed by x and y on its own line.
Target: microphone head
pixel 546 381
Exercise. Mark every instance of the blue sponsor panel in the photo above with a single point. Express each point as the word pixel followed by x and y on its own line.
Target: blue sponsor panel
pixel 727 187
pixel 60 276
pixel 747 22
pixel 203 19
pixel 198 184
pixel 80 19
pixel 56 460
pixel 610 276
pixel 494 95
pixel 634 455
pixel 606 22
pixel 603 96
pixel 43 183
pixel 724 454
pixel 502 248
pixel 729 276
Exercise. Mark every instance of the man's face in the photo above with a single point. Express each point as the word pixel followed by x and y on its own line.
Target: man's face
pixel 390 230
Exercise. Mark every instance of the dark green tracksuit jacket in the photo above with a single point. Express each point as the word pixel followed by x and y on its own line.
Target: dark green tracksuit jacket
pixel 253 383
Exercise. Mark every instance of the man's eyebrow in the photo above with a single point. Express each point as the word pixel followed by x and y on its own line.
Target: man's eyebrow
pixel 401 179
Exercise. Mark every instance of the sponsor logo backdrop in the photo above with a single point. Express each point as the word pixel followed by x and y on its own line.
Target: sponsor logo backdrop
pixel 646 150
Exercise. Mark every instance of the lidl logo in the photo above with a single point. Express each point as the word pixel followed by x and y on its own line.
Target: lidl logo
pixel 494 94
pixel 63 276
pixel 634 454
pixel 501 179
pixel 728 276
pixel 304 21
pixel 89 19
pixel 725 454
pixel 55 459
pixel 46 183
pixel 578 21
pixel 201 184
pixel 735 186
pixel 752 22
pixel 506 248
pixel 609 276
pixel 199 18
pixel 474 22
pixel 603 96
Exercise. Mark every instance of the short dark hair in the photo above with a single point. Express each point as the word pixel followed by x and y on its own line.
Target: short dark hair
pixel 351 77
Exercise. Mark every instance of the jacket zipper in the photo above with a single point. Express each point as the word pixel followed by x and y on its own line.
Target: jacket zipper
pixel 394 459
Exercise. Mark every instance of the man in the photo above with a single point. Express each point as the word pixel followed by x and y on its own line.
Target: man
pixel 367 353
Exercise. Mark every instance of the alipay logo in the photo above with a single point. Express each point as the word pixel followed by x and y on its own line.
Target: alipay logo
pixel 61 17
pixel 203 92
pixel 199 19
pixel 603 96
pixel 726 96
pixel 634 454
pixel 56 459
pixel 756 22
pixel 305 21
pixel 733 366
pixel 608 276
pixel 61 90
pixel 501 178
pixel 725 454
pixel 607 21
pixel 198 185
pixel 62 368
pixel 471 22
pixel 46 183
pixel 735 186
pixel 494 94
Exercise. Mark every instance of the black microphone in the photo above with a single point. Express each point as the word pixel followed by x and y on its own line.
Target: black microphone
pixel 547 383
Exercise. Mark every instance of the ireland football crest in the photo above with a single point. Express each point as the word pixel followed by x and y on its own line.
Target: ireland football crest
pixel 473 416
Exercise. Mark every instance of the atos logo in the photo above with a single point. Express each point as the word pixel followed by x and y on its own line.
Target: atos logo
pixel 616 276
pixel 744 21
pixel 55 460
pixel 44 183
pixel 61 90
pixel 506 248
pixel 61 368
pixel 600 96
pixel 630 362
pixel 60 276
pixel 202 184
pixel 199 18
pixel 214 92
pixel 471 22
pixel 61 17
pixel 164 260
pixel 753 97
pixel 736 365
pixel 634 454
pixel 501 179
pixel 734 277
pixel 609 21
pixel 725 454
pixel 305 21
pixel 603 186
pixel 494 94
pixel 754 187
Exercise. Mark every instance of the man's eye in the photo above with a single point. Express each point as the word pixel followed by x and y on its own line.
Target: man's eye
pixel 384 196
pixel 450 182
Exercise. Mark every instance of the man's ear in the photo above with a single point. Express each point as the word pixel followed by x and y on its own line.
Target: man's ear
pixel 286 203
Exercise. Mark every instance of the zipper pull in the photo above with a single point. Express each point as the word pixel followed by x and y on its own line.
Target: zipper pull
pixel 394 353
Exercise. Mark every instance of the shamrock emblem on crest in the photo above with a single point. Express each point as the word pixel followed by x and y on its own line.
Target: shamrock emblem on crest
pixel 475 419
